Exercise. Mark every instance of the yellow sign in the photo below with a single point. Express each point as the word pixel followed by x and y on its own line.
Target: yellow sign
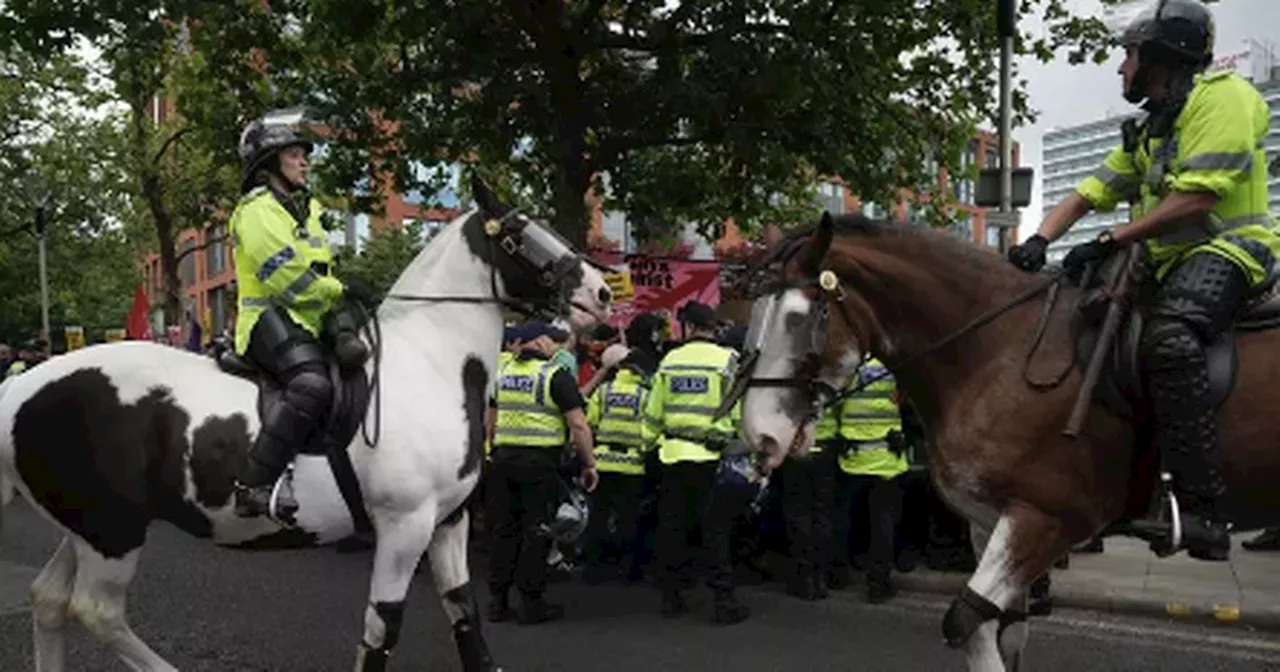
pixel 75 338
pixel 620 285
pixel 114 335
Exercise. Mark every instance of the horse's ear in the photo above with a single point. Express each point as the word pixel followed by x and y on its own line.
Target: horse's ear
pixel 819 245
pixel 485 198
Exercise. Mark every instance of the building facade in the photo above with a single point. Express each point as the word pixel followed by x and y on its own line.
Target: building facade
pixel 1073 153
pixel 206 261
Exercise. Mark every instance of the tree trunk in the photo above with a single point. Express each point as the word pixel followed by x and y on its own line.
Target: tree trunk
pixel 573 165
pixel 151 187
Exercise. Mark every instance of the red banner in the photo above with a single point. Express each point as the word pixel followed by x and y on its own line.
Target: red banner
pixel 660 285
pixel 137 326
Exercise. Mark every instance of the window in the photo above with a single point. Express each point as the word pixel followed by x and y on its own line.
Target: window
pixel 187 267
pixel 872 210
pixel 216 250
pixel 831 197
pixel 993 236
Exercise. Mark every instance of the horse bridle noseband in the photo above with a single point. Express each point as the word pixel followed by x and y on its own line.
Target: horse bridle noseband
pixel 830 287
pixel 500 234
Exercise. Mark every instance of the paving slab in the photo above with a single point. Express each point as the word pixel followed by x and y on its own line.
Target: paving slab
pixel 1128 578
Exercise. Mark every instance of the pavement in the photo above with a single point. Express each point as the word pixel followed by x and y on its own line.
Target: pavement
pixel 209 609
pixel 1128 579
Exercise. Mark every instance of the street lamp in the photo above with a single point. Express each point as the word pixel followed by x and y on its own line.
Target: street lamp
pixel 1006 21
pixel 42 193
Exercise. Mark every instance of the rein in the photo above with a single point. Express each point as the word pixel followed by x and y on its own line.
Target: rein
pixel 372 326
pixel 830 285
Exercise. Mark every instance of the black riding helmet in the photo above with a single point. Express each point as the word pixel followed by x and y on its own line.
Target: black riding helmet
pixel 266 137
pixel 1175 33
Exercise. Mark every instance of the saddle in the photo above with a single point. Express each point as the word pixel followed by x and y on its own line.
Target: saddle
pixel 1121 387
pixel 347 410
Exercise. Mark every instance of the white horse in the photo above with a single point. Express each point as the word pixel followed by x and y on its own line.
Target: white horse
pixel 104 440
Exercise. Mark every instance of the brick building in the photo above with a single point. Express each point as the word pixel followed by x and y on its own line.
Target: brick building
pixel 206 268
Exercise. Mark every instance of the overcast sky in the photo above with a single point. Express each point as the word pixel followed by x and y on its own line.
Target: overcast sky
pixel 1066 95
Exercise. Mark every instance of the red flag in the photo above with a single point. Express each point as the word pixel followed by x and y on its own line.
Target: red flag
pixel 136 326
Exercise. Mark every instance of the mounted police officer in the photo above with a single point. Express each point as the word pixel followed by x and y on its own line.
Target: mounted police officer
pixel 1197 176
pixel 289 303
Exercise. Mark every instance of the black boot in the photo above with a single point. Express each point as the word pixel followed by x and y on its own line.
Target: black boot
pixel 534 610
pixel 500 606
pixel 728 610
pixel 672 604
pixel 1187 436
pixel 1269 540
pixel 267 459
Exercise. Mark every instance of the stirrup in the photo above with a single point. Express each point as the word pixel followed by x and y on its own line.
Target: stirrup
pixel 278 510
pixel 1175 515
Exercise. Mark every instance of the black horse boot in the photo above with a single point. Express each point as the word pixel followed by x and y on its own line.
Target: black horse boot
pixel 1187 436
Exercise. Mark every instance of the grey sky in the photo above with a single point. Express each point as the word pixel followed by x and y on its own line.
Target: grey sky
pixel 1067 95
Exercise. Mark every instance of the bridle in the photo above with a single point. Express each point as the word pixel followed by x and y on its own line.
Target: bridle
pixel 830 289
pixel 508 240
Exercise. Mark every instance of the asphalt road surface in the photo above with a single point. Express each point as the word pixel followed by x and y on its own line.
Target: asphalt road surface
pixel 207 609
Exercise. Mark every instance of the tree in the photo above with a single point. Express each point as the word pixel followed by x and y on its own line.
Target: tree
pixel 697 111
pixel 60 157
pixel 183 172
pixel 385 255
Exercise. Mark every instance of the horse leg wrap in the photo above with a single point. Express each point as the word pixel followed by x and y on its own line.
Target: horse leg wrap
pixel 374 658
pixel 473 651
pixel 967 613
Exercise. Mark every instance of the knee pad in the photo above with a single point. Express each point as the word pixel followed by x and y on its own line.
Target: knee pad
pixel 1167 341
pixel 309 391
pixel 967 613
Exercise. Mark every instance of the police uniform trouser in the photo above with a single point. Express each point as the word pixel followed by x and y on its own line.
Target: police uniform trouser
pixel 1196 303
pixel 523 492
pixel 685 499
pixel 296 361
pixel 617 497
pixel 865 519
pixel 808 492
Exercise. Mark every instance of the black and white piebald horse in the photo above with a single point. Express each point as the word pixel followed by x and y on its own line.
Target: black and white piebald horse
pixel 106 439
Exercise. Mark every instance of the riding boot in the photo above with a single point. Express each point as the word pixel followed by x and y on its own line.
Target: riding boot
pixel 284 431
pixel 1187 436
pixel 727 609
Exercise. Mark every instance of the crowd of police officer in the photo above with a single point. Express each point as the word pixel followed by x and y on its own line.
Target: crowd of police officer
pixel 664 476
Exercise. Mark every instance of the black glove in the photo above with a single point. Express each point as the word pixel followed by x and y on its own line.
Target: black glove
pixel 359 291
pixel 1029 255
pixel 1092 252
pixel 897 443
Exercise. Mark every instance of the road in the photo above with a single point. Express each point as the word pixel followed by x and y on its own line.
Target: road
pixel 207 609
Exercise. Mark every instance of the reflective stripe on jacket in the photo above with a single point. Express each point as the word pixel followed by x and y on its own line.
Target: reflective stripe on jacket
pixel 279 263
pixel 1216 147
pixel 527 415
pixel 866 418
pixel 687 389
pixel 615 414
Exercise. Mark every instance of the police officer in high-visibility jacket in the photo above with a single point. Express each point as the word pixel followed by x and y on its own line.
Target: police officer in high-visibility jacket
pixel 687 389
pixel 622 434
pixel 288 301
pixel 538 411
pixel 1196 173
pixel 869 483
pixel 808 492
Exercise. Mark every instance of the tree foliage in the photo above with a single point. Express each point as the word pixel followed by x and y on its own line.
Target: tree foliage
pixel 698 111
pixel 58 157
pixel 383 257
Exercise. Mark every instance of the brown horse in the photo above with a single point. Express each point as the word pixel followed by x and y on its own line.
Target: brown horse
pixel 909 297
